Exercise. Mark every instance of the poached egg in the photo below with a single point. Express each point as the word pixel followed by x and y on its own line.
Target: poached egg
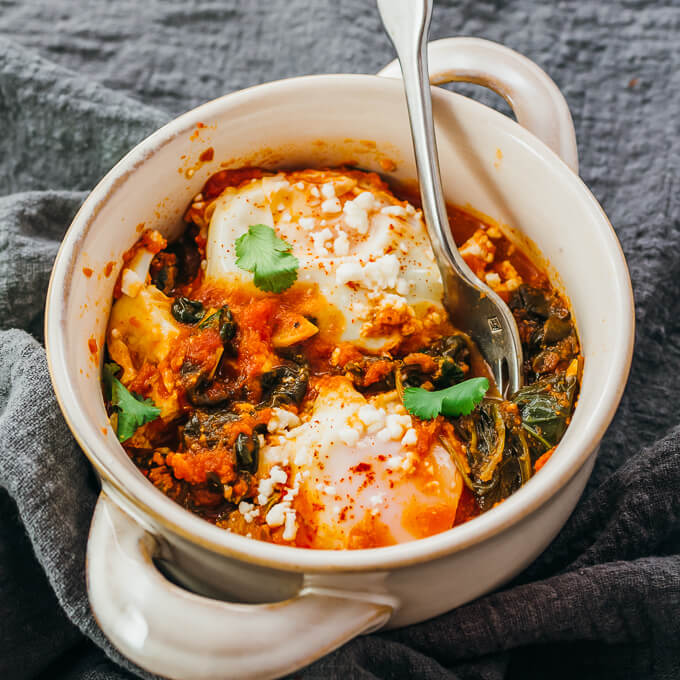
pixel 367 251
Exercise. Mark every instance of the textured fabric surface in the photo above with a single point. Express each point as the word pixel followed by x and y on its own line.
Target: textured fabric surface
pixel 81 83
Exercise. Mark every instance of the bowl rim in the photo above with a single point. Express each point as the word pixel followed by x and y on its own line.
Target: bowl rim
pixel 170 517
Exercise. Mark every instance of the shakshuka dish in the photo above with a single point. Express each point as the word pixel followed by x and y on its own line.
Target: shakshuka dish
pixel 286 370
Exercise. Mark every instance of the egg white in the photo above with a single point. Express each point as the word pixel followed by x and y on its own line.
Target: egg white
pixel 353 474
pixel 364 249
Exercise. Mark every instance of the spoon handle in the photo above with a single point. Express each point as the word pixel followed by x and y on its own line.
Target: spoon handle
pixel 471 304
pixel 407 23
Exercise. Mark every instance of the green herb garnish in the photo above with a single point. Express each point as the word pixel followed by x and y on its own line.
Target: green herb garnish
pixel 268 257
pixel 133 410
pixel 458 400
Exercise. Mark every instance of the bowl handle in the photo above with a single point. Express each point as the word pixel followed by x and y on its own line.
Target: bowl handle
pixel 534 98
pixel 174 633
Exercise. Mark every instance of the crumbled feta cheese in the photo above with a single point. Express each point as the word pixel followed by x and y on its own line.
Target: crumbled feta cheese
pixel 278 475
pixel 290 494
pixel 380 274
pixel 402 287
pixel 315 192
pixel 328 190
pixel 408 463
pixel 307 223
pixel 410 438
pixel 402 419
pixel 320 238
pixel 341 244
pixel 300 185
pixel 266 486
pixel 383 435
pixel 480 246
pixel 366 200
pixel 282 419
pixel 493 279
pixel 275 184
pixel 376 500
pixel 248 510
pixel 370 415
pixel 331 205
pixel 507 270
pixel 356 211
pixel 395 425
pixel 276 515
pixel 471 247
pixel 348 271
pixel 394 211
pixel 394 462
pixel 349 435
pixel 383 272
pixel 391 301
pixel 290 529
pixel 395 430
pixel 283 513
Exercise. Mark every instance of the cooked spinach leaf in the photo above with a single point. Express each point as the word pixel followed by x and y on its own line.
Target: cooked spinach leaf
pixel 546 406
pixel 187 311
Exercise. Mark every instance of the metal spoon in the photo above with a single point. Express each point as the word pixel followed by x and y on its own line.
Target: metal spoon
pixel 473 306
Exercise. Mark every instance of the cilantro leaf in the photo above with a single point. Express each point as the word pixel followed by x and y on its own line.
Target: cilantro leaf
pixel 268 257
pixel 108 376
pixel 133 411
pixel 458 400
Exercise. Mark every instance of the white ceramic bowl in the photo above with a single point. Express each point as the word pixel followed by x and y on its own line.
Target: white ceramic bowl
pixel 295 605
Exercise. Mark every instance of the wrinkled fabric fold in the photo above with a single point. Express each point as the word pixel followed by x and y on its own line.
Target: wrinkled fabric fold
pixel 80 86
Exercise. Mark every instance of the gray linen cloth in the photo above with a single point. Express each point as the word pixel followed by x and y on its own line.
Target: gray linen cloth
pixel 81 83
